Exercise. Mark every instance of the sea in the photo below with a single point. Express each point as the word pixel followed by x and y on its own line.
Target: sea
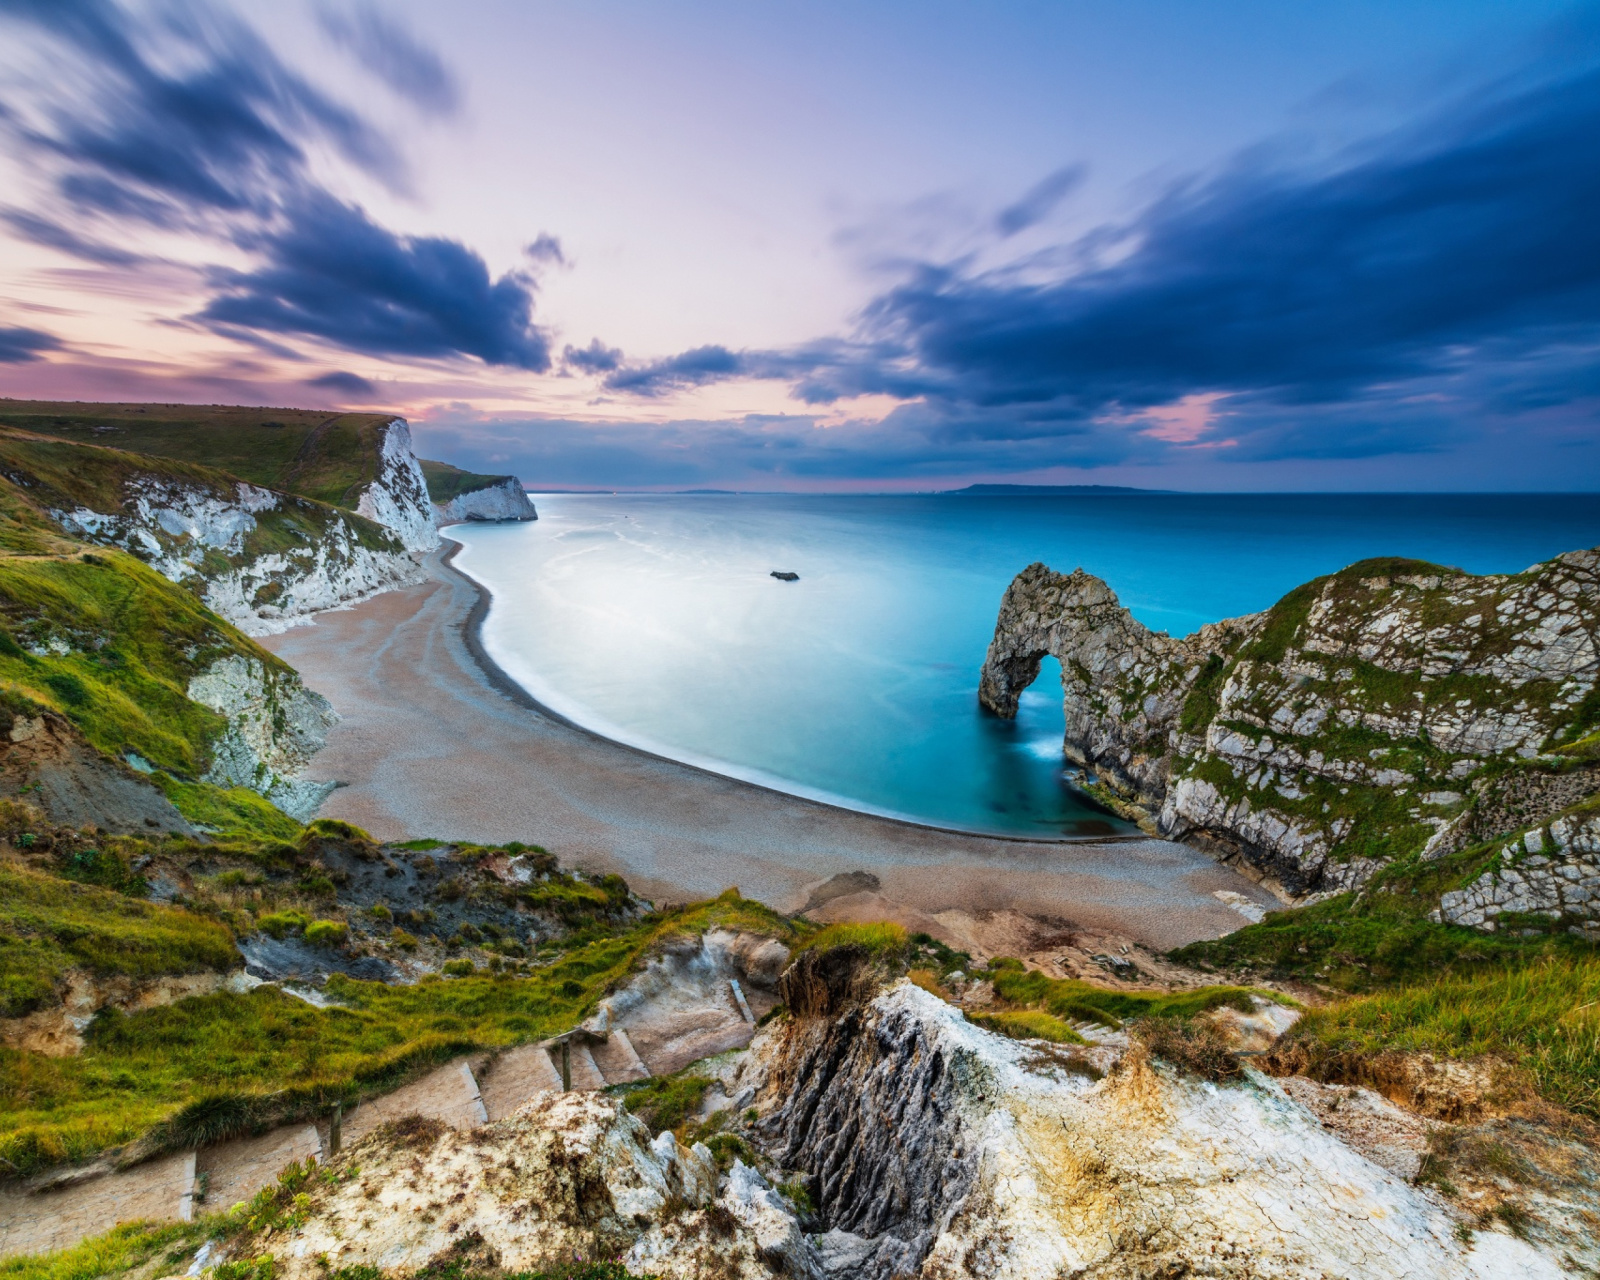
pixel 655 620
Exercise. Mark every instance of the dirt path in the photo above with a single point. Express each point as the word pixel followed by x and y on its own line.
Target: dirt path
pixel 430 747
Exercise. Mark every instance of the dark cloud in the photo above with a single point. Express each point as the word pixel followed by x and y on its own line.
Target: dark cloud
pixel 38 230
pixel 1040 200
pixel 334 274
pixel 1447 261
pixel 595 358
pixel 689 369
pixel 393 55
pixel 224 134
pixel 352 385
pixel 19 345
pixel 546 248
pixel 214 137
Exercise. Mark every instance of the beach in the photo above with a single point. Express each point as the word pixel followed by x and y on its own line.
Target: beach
pixel 435 742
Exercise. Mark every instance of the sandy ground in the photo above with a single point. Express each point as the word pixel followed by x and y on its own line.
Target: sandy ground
pixel 432 745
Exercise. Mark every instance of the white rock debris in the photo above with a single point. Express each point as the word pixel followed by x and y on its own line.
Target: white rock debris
pixel 275 726
pixel 940 1150
pixel 398 497
pixel 566 1175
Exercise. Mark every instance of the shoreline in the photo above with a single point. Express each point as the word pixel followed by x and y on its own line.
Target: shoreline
pixel 496 675
pixel 433 743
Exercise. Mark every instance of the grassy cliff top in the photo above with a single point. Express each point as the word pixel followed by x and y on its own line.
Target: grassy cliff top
pixel 330 457
pixel 446 482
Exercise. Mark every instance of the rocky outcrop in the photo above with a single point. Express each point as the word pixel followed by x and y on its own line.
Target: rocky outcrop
pixel 936 1149
pixel 505 499
pixel 1552 873
pixel 262 560
pixel 46 759
pixel 1313 743
pixel 569 1175
pixel 275 726
pixel 397 497
pixel 58 1030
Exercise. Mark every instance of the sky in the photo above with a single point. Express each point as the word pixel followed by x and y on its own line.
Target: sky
pixel 867 246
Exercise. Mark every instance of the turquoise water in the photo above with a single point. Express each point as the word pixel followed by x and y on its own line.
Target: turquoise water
pixel 653 619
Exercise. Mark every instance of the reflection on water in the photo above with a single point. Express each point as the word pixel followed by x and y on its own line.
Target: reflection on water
pixel 655 620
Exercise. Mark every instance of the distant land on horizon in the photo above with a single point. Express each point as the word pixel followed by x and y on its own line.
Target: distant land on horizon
pixel 1041 490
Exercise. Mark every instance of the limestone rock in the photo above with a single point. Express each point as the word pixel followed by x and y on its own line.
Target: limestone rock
pixel 504 500
pixel 569 1174
pixel 1317 741
pixel 275 726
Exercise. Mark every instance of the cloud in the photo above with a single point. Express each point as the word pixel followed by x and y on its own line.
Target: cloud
pixel 333 273
pixel 213 138
pixel 546 248
pixel 1040 200
pixel 1452 262
pixel 393 55
pixel 595 358
pixel 222 131
pixel 20 345
pixel 351 385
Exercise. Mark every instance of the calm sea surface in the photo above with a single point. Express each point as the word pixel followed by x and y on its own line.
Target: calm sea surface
pixel 654 620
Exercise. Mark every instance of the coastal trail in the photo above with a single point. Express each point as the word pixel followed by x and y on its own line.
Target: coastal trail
pixel 432 744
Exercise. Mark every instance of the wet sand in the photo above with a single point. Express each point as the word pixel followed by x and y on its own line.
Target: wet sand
pixel 433 744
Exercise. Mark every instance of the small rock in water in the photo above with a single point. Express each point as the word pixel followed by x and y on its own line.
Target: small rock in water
pixel 783 575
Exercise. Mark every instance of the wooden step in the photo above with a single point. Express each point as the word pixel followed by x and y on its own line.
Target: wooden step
pixel 517 1076
pixel 617 1061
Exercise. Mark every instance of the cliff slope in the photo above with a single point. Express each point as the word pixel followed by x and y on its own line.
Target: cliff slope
pixel 357 461
pixel 460 496
pixel 1390 709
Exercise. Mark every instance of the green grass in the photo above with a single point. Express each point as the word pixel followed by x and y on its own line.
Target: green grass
pixel 222 1063
pixel 235 813
pixel 325 456
pixel 1028 1024
pixel 125 1247
pixel 1543 1018
pixel 667 1102
pixel 136 640
pixel 1073 1000
pixel 877 939
pixel 49 925
pixel 1381 937
pixel 446 482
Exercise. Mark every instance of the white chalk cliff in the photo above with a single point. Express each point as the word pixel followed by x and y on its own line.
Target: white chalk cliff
pixel 397 498
pixel 505 499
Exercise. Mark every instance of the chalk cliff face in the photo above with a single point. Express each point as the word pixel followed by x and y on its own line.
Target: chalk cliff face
pixel 505 499
pixel 397 498
pixel 275 726
pixel 922 1146
pixel 1374 713
pixel 260 559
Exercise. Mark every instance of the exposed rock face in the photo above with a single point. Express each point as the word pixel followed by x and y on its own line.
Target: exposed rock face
pixel 568 1175
pixel 1317 741
pixel 397 498
pixel 504 500
pixel 275 726
pixel 75 785
pixel 1552 872
pixel 58 1030
pixel 260 559
pixel 940 1150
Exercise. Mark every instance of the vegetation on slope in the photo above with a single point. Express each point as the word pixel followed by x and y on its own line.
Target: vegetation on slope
pixel 330 457
pixel 105 641
pixel 49 925
pixel 446 482
pixel 218 1065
